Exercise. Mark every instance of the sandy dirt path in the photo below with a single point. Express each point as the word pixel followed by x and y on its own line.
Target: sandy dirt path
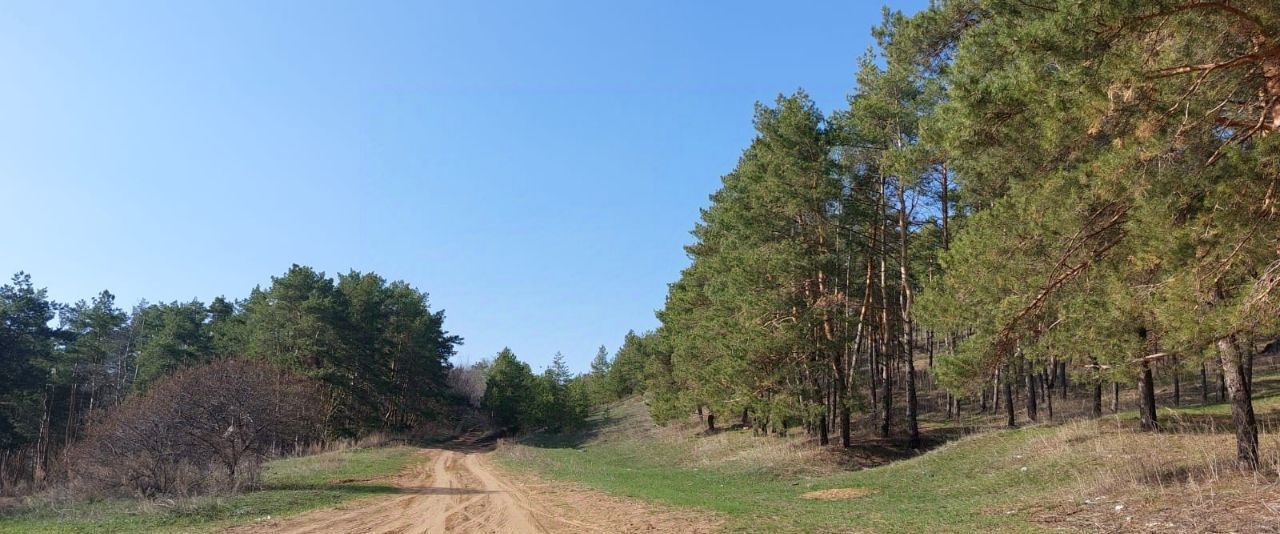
pixel 459 490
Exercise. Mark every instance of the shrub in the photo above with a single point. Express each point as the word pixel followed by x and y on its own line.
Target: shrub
pixel 202 430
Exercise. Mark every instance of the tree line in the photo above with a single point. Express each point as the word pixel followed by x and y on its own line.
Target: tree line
pixel 556 400
pixel 377 351
pixel 1017 196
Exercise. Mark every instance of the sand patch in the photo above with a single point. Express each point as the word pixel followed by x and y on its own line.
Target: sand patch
pixel 838 494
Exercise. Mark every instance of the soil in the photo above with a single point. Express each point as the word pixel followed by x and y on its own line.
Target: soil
pixel 458 489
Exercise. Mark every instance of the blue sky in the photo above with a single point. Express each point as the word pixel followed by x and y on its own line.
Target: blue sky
pixel 534 166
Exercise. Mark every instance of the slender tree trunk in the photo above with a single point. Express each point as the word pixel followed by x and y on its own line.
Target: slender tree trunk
pixel 1008 401
pixel 71 415
pixel 711 422
pixel 928 335
pixel 1031 393
pixel 995 392
pixel 886 401
pixel 1048 398
pixel 1177 383
pixel 1147 399
pixel 1064 378
pixel 1204 383
pixel 889 347
pixel 1236 377
pixel 1097 387
pixel 842 405
pixel 1115 397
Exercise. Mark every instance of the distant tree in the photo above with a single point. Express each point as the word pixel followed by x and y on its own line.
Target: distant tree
pixel 170 337
pixel 508 392
pixel 27 345
pixel 598 383
pixel 468 382
pixel 377 345
pixel 626 372
pixel 91 371
pixel 227 328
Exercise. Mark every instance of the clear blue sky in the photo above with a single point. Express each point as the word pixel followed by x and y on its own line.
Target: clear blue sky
pixel 534 166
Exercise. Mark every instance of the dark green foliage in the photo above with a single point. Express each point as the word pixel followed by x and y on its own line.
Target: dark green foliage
pixel 517 399
pixel 508 391
pixel 26 349
pixel 377 348
pixel 169 337
pixel 626 371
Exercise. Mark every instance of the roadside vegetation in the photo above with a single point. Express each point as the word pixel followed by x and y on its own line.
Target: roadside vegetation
pixel 166 414
pixel 1080 475
pixel 288 486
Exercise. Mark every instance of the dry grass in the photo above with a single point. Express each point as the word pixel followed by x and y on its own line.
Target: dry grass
pixel 1184 479
pixel 789 456
pixel 837 494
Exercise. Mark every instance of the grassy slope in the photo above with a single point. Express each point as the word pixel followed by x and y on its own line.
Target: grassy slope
pixel 290 486
pixel 994 481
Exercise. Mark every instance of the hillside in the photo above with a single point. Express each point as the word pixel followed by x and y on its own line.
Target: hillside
pixel 1083 475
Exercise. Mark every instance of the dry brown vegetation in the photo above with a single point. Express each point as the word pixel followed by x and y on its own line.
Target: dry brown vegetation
pixel 1183 479
pixel 204 430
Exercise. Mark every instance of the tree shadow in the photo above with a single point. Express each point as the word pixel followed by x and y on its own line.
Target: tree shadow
pixel 375 489
pixel 570 439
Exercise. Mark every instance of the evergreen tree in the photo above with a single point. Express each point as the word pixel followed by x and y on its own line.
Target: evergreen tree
pixel 169 337
pixel 508 391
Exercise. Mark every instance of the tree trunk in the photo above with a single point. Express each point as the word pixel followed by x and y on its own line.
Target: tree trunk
pixel 842 405
pixel 1048 399
pixel 711 422
pixel 995 392
pixel 1064 378
pixel 1248 370
pixel 886 400
pixel 1031 393
pixel 1177 383
pixel 1204 383
pixel 1236 378
pixel 1147 399
pixel 1097 399
pixel 1115 397
pixel 1008 402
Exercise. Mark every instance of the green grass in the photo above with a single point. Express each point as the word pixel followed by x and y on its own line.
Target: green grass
pixel 289 486
pixel 996 481
pixel 973 484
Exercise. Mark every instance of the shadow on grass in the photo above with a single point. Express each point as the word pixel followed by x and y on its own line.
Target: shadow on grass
pixel 1215 417
pixel 573 439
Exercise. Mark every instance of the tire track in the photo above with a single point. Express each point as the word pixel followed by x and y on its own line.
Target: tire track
pixel 455 489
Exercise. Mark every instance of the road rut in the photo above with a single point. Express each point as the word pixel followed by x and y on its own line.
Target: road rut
pixel 457 489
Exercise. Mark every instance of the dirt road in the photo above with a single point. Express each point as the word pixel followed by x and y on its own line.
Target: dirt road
pixel 458 490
